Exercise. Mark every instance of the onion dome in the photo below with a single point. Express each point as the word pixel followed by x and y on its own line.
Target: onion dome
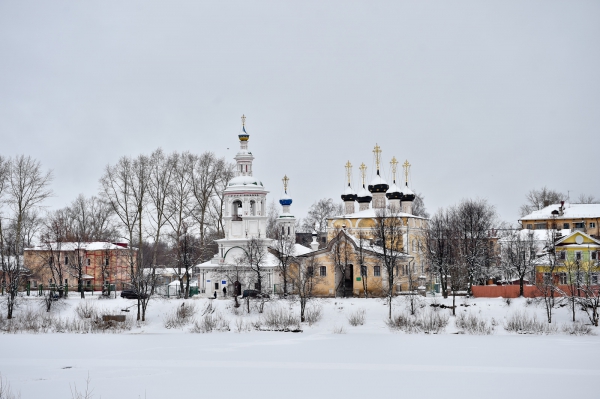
pixel 285 199
pixel 378 185
pixel 244 136
pixel 394 192
pixel 407 194
pixel 349 194
pixel 364 196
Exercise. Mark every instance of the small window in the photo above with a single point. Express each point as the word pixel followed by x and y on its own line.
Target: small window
pixel 217 286
pixel 66 260
pixel 310 270
pixel 592 225
pixel 529 226
pixel 323 271
pixel 363 270
pixel 595 278
pixel 563 255
pixel 577 255
pixel 580 225
pixel 594 255
pixel 89 262
pixel 562 278
pixel 540 226
pixel 107 261
pixel 377 271
pixel 566 226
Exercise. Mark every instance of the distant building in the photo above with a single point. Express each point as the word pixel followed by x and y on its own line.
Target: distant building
pixel 565 216
pixel 102 262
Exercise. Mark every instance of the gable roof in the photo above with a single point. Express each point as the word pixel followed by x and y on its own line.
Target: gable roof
pixel 587 239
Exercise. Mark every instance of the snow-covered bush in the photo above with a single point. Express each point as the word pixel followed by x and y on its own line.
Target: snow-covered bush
pixel 522 323
pixel 86 309
pixel 339 330
pixel 472 324
pixel 279 318
pixel 313 313
pixel 181 316
pixel 210 322
pixel 430 322
pixel 357 318
pixel 577 329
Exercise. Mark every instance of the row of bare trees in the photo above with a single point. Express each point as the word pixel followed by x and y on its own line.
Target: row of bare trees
pixel 461 248
pixel 24 186
pixel 163 198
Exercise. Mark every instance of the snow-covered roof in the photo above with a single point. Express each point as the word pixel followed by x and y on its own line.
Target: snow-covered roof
pixel 377 180
pixel 393 188
pixel 570 211
pixel 246 183
pixel 540 235
pixel 364 193
pixel 72 246
pixel 371 213
pixel 406 190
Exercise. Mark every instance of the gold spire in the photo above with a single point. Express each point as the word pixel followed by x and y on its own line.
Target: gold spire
pixel 394 164
pixel 285 183
pixel 406 167
pixel 377 152
pixel 363 172
pixel 243 120
pixel 349 171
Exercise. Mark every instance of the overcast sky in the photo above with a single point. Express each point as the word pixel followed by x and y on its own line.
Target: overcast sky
pixel 485 99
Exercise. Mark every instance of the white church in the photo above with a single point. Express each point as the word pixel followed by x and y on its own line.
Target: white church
pixel 245 219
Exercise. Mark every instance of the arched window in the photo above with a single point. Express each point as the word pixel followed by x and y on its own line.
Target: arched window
pixel 236 210
pixel 253 208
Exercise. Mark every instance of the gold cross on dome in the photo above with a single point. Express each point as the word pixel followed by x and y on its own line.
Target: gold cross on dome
pixel 363 172
pixel 285 182
pixel 406 167
pixel 348 171
pixel 394 164
pixel 243 120
pixel 377 152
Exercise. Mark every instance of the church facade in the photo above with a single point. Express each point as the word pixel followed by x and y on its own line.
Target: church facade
pixel 248 259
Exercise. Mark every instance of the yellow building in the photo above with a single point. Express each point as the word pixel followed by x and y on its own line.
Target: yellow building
pixel 350 266
pixel 576 259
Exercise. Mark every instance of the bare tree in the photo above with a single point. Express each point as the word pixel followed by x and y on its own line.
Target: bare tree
pixel 272 214
pixel 206 171
pixel 285 249
pixel 363 242
pixel 419 206
pixel 587 199
pixel 125 187
pixel 255 257
pixel 318 214
pixel 475 222
pixel 589 293
pixel 305 280
pixel 547 284
pixel 24 188
pixel 440 236
pixel 518 252
pixel 225 172
pixel 388 236
pixel 538 199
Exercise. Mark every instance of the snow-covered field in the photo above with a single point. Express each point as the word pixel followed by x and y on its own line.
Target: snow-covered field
pixel 152 361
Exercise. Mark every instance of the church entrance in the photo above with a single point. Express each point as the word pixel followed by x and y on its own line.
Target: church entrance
pixel 346 282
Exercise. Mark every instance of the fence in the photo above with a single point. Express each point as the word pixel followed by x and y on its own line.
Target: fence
pixel 512 291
